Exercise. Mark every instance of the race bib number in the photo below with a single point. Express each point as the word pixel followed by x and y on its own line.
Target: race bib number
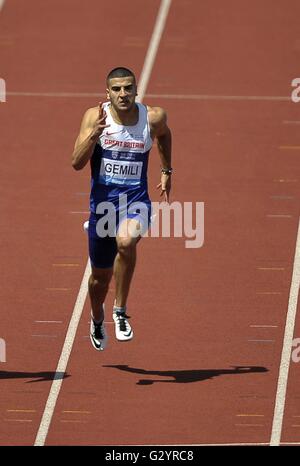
pixel 120 172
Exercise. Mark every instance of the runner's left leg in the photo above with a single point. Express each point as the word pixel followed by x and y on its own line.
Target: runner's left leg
pixel 124 264
pixel 98 288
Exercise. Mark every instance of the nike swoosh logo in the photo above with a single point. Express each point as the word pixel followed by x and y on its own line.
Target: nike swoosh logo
pixel 97 345
pixel 115 132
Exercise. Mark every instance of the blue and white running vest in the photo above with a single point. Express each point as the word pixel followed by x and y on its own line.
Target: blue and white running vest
pixel 120 161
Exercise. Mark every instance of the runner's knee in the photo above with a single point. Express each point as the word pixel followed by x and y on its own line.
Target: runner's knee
pixel 126 246
pixel 99 282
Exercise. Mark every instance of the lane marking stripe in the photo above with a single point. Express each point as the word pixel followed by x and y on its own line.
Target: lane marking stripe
pixel 85 212
pixel 263 341
pixel 76 412
pixel 270 268
pixel 249 425
pixel 45 336
pixel 287 348
pixel 153 46
pixel 73 421
pixel 18 420
pixel 282 197
pixel 282 180
pixel 279 216
pixel 48 321
pixel 63 361
pixel 249 98
pixel 58 289
pixel 78 308
pixel 264 326
pixel 65 265
pixel 21 411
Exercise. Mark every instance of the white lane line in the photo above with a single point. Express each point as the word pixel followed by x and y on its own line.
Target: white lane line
pixel 249 425
pixel 85 212
pixel 271 268
pixel 1 4
pixel 17 420
pixel 263 326
pixel 281 197
pixel 282 180
pixel 63 361
pixel 262 341
pixel 289 147
pixel 270 98
pixel 153 47
pixel 65 265
pixel 21 410
pixel 255 98
pixel 49 321
pixel 73 421
pixel 287 348
pixel 72 411
pixel 78 308
pixel 279 216
pixel 55 94
pixel 45 336
pixel 57 289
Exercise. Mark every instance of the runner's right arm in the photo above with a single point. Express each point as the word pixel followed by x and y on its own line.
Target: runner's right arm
pixel 91 128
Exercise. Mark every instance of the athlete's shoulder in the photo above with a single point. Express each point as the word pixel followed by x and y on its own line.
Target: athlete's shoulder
pixel 156 115
pixel 91 112
pixel 89 117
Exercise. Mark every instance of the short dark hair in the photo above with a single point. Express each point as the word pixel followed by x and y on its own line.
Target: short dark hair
pixel 119 72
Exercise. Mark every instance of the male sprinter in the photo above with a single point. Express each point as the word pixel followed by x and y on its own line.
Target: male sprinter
pixel 117 137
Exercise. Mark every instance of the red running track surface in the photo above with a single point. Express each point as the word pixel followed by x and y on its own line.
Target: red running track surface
pixel 209 322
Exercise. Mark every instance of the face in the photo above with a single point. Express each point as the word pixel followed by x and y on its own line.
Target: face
pixel 122 92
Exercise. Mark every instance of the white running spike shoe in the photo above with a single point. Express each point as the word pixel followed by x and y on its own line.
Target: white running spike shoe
pixel 123 329
pixel 98 335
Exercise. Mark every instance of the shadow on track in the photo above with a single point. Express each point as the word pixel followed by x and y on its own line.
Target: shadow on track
pixel 187 376
pixel 39 376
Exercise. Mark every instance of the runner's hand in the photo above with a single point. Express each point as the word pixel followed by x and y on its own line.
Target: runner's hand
pixel 165 186
pixel 99 124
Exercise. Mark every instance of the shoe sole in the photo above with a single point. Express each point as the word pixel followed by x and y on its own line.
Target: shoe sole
pixel 130 337
pixel 123 337
pixel 100 348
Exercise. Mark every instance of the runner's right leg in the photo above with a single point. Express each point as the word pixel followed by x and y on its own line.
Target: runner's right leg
pixel 98 288
pixel 102 252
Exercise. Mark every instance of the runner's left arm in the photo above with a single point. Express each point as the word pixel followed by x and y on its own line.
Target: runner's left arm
pixel 158 123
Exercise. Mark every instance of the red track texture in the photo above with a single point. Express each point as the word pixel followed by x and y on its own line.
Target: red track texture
pixel 200 315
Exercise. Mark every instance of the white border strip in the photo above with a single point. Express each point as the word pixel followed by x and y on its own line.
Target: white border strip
pixel 241 444
pixel 78 308
pixel 287 348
